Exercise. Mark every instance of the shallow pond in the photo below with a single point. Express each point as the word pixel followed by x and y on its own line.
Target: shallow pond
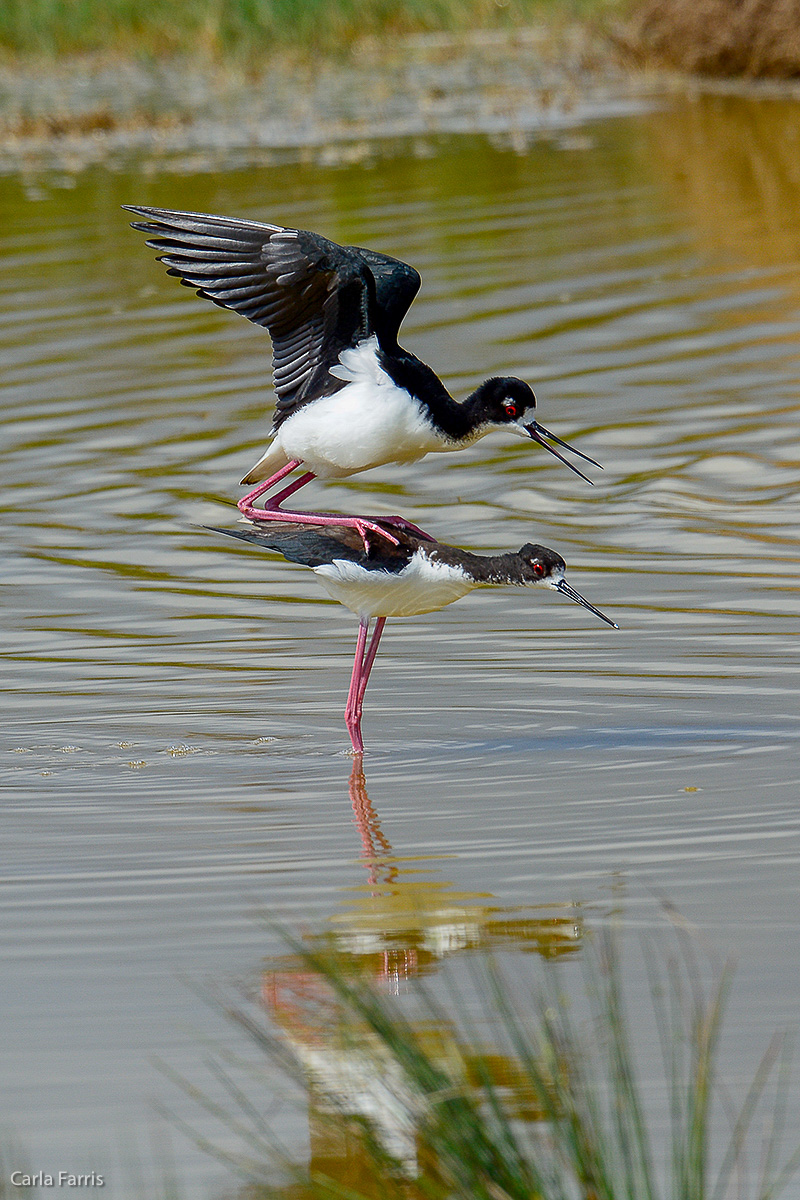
pixel 174 755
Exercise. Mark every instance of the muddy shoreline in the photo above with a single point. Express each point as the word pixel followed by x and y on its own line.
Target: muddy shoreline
pixel 69 115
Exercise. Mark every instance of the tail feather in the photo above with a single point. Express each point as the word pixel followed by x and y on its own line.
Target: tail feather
pixel 302 544
pixel 271 461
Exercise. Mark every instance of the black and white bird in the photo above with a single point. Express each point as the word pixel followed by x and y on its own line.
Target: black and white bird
pixel 403 578
pixel 348 396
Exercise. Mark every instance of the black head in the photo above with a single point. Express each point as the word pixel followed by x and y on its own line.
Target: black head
pixel 510 403
pixel 505 401
pixel 540 565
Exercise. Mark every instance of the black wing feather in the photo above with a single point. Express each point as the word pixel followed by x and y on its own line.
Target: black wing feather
pixel 313 546
pixel 314 297
pixel 396 285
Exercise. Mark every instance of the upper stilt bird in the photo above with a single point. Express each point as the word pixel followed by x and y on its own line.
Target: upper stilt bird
pixel 349 397
pixel 402 578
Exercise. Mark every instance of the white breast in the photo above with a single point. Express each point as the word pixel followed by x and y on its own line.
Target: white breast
pixel 369 422
pixel 422 586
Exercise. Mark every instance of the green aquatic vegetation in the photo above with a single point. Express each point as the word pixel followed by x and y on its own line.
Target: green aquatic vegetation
pixel 15 1169
pixel 416 1106
pixel 249 27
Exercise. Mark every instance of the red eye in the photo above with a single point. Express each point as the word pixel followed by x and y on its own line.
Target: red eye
pixel 511 409
pixel 538 569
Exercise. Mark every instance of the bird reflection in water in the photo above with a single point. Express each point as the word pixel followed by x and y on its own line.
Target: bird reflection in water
pixel 400 926
pixel 404 924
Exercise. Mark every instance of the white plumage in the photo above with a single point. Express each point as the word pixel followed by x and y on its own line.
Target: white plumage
pixel 422 586
pixel 333 313
pixel 369 422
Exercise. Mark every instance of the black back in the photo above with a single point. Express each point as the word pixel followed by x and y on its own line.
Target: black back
pixel 314 297
pixel 315 545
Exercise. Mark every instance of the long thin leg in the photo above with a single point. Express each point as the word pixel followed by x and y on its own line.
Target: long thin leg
pixel 352 714
pixel 273 503
pixel 360 678
pixel 272 511
pixel 369 660
pixel 266 484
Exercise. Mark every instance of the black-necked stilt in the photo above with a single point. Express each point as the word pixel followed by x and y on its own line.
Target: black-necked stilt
pixel 403 578
pixel 349 397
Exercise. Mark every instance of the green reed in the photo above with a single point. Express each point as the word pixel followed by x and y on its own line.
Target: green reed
pixel 221 28
pixel 13 1157
pixel 566 1118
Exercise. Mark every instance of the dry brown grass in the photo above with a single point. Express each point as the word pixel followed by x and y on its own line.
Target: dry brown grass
pixel 728 38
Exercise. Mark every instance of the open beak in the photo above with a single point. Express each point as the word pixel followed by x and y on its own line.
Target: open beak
pixel 539 433
pixel 565 589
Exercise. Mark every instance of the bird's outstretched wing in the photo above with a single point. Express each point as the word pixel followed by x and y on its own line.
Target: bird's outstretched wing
pixel 314 297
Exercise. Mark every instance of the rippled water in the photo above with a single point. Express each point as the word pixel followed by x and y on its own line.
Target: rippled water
pixel 173 744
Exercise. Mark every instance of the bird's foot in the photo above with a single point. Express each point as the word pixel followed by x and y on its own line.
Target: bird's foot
pixel 365 528
pixel 406 527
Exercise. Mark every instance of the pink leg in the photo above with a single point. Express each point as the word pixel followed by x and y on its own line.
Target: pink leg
pixel 358 683
pixel 369 660
pixel 352 713
pixel 246 501
pixel 272 510
pixel 274 502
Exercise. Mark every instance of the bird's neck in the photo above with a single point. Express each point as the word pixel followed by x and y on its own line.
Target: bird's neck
pixel 485 569
pixel 460 422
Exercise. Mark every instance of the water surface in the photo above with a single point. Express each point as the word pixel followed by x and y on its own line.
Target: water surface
pixel 174 754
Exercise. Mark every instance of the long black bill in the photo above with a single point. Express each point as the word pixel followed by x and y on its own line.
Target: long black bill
pixel 565 589
pixel 539 433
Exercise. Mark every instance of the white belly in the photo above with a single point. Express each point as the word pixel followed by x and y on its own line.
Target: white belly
pixel 369 422
pixel 420 587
